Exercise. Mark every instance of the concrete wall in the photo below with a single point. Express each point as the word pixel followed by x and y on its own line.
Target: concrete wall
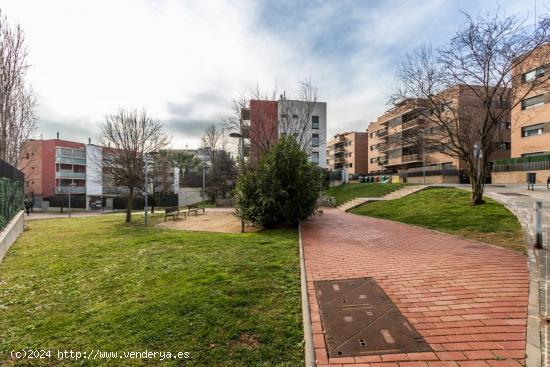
pixel 518 177
pixel 189 195
pixel 11 232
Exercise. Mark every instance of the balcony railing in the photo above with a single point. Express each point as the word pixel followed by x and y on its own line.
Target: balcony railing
pixel 412 158
pixel 414 123
pixel 73 190
pixel 382 147
pixel 67 160
pixel 70 174
pixel 339 150
pixel 382 133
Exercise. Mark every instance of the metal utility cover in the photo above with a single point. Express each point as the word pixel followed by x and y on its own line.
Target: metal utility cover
pixel 360 319
pixel 511 194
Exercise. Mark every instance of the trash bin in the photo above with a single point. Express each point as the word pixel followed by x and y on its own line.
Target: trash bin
pixel 531 179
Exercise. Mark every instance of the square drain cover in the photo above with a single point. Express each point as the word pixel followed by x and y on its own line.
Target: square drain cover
pixel 360 319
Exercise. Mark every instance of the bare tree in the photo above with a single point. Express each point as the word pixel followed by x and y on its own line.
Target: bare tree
pixel 222 166
pixel 162 177
pixel 468 88
pixel 131 135
pixel 17 103
pixel 273 115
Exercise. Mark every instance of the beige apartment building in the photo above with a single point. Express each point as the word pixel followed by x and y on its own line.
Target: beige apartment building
pixel 531 115
pixel 530 122
pixel 394 147
pixel 348 151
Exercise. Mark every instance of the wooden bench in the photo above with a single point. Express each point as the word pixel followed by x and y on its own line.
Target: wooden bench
pixel 194 208
pixel 172 211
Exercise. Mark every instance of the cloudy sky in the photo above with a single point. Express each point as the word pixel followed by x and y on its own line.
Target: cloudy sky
pixel 184 61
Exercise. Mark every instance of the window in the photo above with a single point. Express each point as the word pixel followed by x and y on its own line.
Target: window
pixel 537 129
pixel 505 125
pixel 295 117
pixel 534 74
pixel 315 140
pixel 27 156
pixel 315 122
pixel 372 135
pixel 532 102
pixel 315 157
pixel 372 147
pixel 373 160
pixel 504 145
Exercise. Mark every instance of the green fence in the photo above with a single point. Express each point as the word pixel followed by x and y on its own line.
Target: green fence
pixel 11 192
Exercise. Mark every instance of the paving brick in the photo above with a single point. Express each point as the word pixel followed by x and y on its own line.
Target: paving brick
pixel 464 309
pixel 479 354
pixel 395 357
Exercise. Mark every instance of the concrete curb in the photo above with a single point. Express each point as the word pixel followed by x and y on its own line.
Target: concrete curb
pixel 11 232
pixel 309 350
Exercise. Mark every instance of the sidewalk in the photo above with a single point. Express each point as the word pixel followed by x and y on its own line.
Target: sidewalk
pixel 466 299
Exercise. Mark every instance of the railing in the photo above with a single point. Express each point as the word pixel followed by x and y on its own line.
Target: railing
pixel 73 190
pixel 521 166
pixel 11 192
pixel 339 150
pixel 413 123
pixel 67 160
pixel 382 147
pixel 70 174
pixel 412 158
pixel 382 133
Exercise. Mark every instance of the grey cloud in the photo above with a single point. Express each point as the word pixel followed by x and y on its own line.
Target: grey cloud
pixel 190 127
pixel 68 130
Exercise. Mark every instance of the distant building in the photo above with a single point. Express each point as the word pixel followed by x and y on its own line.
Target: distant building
pixel 392 147
pixel 265 121
pixel 349 152
pixel 56 167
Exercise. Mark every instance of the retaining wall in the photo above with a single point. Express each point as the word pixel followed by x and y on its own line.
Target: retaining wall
pixel 10 233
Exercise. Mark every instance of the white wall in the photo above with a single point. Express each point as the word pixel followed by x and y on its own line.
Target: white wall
pixel 189 195
pixel 94 175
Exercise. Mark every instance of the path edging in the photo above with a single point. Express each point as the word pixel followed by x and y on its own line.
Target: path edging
pixel 309 351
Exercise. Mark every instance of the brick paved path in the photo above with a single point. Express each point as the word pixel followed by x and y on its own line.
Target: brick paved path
pixel 468 300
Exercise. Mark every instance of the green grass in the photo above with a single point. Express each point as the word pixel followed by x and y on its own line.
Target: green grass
pixel 350 191
pixel 97 283
pixel 449 210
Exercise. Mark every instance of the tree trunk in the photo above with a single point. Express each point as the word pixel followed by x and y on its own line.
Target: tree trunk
pixel 477 177
pixel 129 206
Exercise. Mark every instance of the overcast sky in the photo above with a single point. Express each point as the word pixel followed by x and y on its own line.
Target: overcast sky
pixel 184 61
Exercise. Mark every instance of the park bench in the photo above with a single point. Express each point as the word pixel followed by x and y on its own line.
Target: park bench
pixel 194 208
pixel 172 211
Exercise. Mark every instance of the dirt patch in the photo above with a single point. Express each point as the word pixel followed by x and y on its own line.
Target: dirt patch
pixel 213 220
pixel 249 341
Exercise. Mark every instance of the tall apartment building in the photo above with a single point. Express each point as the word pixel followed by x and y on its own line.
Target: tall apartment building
pixel 265 121
pixel 392 146
pixel 531 115
pixel 56 167
pixel 348 151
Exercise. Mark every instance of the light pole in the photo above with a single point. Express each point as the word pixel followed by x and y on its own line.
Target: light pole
pixel 203 180
pixel 241 154
pixel 71 185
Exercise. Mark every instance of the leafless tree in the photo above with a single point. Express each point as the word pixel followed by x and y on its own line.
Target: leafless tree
pixel 17 102
pixel 131 136
pixel 162 177
pixel 477 66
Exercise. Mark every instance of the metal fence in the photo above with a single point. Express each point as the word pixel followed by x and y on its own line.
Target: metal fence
pixel 11 192
pixel 521 166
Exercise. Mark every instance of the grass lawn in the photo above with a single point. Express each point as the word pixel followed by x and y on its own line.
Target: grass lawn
pixel 448 210
pixel 350 191
pixel 97 283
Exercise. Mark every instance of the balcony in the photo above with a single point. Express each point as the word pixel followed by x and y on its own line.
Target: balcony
pixel 410 124
pixel 69 160
pixel 382 133
pixel 73 190
pixel 70 174
pixel 338 150
pixel 339 160
pixel 382 147
pixel 412 158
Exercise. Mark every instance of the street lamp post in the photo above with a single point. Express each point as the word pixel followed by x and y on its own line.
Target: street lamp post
pixel 146 160
pixel 203 180
pixel 71 185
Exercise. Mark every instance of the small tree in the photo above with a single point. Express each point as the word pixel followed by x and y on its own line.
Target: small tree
pixel 130 135
pixel 281 190
pixel 185 162
pixel 162 181
pixel 221 181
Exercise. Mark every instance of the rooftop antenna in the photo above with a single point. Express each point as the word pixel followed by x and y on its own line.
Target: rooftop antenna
pixel 57 135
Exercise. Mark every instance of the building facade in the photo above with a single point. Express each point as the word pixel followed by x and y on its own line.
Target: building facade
pixel 265 121
pixel 348 152
pixel 394 146
pixel 56 167
pixel 531 114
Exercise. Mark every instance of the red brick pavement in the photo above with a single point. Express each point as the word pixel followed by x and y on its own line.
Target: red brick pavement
pixel 467 299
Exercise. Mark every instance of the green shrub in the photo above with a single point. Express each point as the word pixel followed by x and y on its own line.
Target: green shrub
pixel 281 190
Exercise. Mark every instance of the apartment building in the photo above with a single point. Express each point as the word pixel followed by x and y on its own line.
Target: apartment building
pixel 349 152
pixel 531 115
pixel 394 147
pixel 265 121
pixel 56 167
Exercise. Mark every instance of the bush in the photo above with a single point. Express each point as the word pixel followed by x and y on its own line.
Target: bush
pixel 281 190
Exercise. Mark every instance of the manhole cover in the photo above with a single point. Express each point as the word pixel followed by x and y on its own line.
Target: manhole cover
pixel 511 194
pixel 360 319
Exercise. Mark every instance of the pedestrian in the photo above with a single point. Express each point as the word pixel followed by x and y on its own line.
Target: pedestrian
pixel 27 205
